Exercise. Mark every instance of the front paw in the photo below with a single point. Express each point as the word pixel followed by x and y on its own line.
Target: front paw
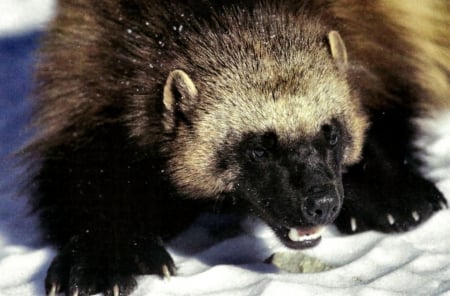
pixel 83 268
pixel 389 207
pixel 86 276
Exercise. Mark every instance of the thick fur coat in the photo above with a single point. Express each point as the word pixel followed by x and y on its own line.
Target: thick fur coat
pixel 298 112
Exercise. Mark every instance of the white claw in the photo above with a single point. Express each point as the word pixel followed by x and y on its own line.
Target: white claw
pixel 116 290
pixel 75 293
pixel 353 224
pixel 415 216
pixel 390 219
pixel 52 291
pixel 294 235
pixel 166 273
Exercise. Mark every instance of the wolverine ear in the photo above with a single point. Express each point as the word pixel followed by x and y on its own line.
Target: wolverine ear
pixel 337 48
pixel 180 97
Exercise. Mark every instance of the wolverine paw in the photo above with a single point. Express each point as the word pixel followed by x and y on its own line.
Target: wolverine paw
pixel 79 279
pixel 351 221
pixel 84 269
pixel 389 208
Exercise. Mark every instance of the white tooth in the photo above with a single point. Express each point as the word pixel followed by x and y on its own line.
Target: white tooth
pixel 353 224
pixel 116 290
pixel 415 216
pixel 443 205
pixel 390 219
pixel 293 235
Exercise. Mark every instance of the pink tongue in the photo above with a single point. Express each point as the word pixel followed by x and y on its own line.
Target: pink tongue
pixel 307 231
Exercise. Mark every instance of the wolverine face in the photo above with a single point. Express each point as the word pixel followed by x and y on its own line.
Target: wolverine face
pixel 274 134
pixel 295 186
pixel 281 159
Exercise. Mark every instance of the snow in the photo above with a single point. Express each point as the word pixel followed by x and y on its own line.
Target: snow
pixel 19 16
pixel 212 260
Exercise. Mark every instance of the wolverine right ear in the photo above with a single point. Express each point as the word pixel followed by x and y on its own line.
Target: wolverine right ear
pixel 337 48
pixel 180 96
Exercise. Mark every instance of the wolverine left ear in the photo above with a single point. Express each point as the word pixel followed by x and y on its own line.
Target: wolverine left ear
pixel 179 91
pixel 337 48
pixel 180 97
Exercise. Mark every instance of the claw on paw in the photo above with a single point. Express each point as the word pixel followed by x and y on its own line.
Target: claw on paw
pixel 116 290
pixel 166 272
pixel 390 219
pixel 53 290
pixel 353 225
pixel 415 216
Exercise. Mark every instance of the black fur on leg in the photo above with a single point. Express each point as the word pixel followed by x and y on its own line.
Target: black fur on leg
pixel 385 192
pixel 88 265
pixel 106 204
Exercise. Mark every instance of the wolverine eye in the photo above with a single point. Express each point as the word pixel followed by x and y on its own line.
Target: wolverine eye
pixel 258 153
pixel 331 134
pixel 333 140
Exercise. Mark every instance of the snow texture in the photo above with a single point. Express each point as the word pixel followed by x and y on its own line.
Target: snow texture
pixel 210 259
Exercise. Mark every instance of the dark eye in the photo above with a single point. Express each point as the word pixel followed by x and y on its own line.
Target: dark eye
pixel 331 134
pixel 258 153
pixel 333 139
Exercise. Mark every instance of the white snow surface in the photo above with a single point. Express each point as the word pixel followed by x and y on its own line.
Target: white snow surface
pixel 412 263
pixel 370 263
pixel 20 16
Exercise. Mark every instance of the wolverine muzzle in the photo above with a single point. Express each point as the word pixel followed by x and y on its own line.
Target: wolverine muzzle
pixel 321 208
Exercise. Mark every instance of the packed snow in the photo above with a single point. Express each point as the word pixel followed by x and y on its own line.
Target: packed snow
pixel 219 255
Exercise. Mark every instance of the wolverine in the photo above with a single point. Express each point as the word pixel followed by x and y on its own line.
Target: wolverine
pixel 301 113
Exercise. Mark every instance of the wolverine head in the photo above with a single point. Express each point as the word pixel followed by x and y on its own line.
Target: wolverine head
pixel 273 128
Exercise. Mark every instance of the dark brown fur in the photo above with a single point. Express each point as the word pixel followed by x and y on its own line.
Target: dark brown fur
pixel 143 108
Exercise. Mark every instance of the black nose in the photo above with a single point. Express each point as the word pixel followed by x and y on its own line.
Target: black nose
pixel 320 210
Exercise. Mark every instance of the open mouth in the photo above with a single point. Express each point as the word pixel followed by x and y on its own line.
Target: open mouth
pixel 300 238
